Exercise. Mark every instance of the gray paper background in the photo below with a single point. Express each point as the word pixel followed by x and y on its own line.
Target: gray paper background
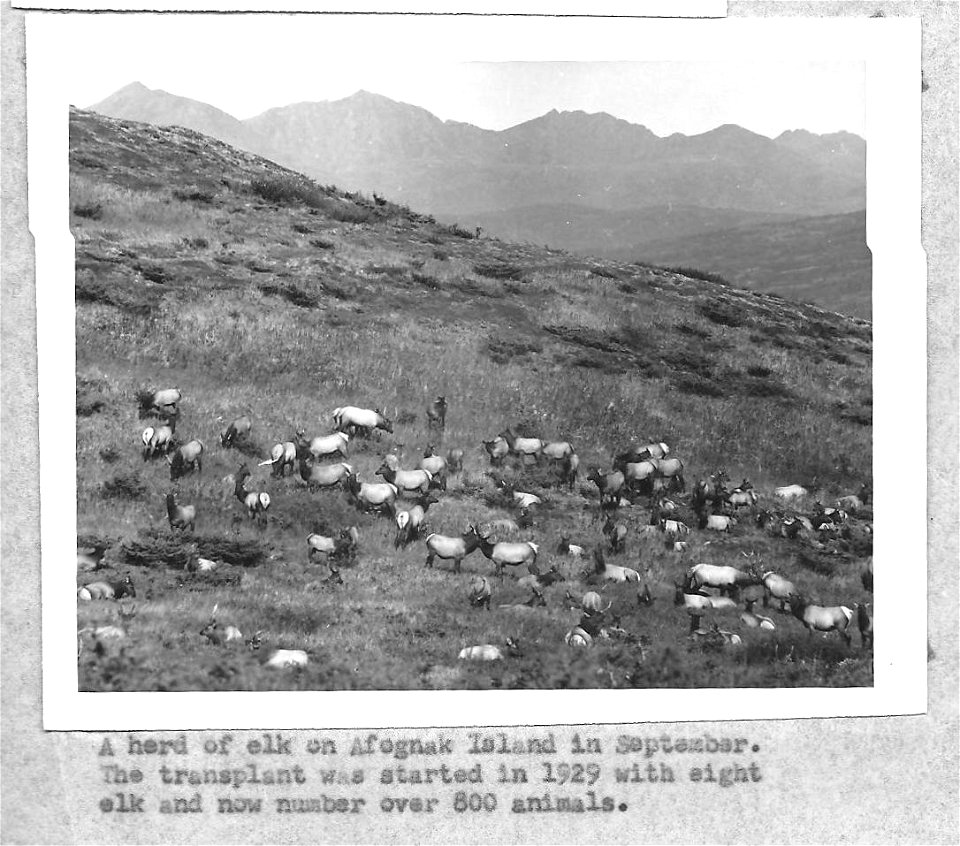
pixel 891 779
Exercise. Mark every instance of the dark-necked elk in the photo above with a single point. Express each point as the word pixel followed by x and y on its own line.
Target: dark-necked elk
pixel 107 590
pixel 866 574
pixel 371 496
pixel 180 516
pixel 411 523
pixel 523 448
pixel 506 554
pixel 282 456
pixel 256 502
pixel 498 449
pixel 480 593
pixel 163 403
pixel 236 430
pixel 616 533
pixel 453 549
pixel 405 481
pixel 557 450
pixel 455 460
pixel 323 475
pixel 819 618
pixel 159 440
pixel 435 465
pixel 185 459
pixel 727 579
pixel 360 420
pixel 610 484
pixel 437 414
pixel 854 503
pixel 610 572
pixel 324 445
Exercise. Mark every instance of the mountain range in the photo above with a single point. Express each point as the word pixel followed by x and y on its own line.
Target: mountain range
pixel 591 183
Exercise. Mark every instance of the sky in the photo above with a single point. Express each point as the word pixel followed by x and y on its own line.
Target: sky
pixel 478 71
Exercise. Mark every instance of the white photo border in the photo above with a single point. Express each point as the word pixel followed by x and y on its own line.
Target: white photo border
pixel 890 51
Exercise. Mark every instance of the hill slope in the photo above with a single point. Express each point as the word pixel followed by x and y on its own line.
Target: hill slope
pixel 823 260
pixel 257 292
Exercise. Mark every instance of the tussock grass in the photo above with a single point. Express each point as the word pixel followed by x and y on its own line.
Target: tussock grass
pixel 396 315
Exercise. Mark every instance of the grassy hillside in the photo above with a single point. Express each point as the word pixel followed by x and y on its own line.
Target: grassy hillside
pixel 255 291
pixel 822 260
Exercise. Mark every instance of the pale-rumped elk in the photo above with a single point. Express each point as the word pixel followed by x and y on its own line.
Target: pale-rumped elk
pixel 371 496
pixel 282 456
pixel 159 440
pixel 819 618
pixel 437 413
pixel 508 554
pixel 412 522
pixel 185 459
pixel 107 590
pixel 498 449
pixel 236 430
pixel 489 652
pixel 360 420
pixel 480 592
pixel 405 481
pixel 609 484
pixel 725 578
pixel 324 445
pixel 162 403
pixel 776 587
pixel 180 516
pixel 616 533
pixel 605 572
pixel 523 448
pixel 453 549
pixel 256 502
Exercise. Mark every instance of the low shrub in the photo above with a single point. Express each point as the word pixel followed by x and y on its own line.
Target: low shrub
pixel 320 244
pixel 503 349
pixel 690 383
pixel 694 273
pixel 194 196
pixel 499 270
pixel 123 486
pixel 91 211
pixel 721 313
pixel 292 294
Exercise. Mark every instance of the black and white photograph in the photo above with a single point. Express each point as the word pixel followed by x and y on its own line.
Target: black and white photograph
pixel 480 426
pixel 470 375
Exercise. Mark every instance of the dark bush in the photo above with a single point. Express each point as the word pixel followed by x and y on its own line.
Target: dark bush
pixel 123 486
pixel 605 273
pixel 499 270
pixel 759 387
pixel 153 272
pixel 87 407
pixel 688 360
pixel 292 294
pixel 503 349
pixel 692 384
pixel 458 232
pixel 194 196
pixel 721 313
pixel 320 244
pixel 93 211
pixel 759 371
pixel 109 455
pixel 154 547
pixel 694 273
pixel 427 281
pixel 301 229
pixel 693 331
